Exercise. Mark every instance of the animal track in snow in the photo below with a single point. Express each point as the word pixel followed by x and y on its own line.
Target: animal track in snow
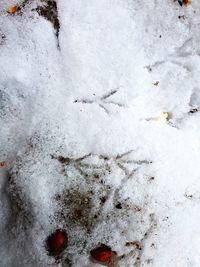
pixel 102 101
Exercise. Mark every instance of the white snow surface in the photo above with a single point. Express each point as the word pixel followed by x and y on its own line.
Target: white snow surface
pixel 90 96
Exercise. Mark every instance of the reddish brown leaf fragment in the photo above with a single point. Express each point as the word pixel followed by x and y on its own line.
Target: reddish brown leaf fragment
pixel 2 164
pixel 187 2
pixel 56 242
pixel 13 9
pixel 102 254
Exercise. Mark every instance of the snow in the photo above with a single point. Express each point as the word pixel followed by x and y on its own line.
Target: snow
pixel 82 129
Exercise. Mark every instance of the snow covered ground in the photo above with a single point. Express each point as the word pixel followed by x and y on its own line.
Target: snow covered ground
pixel 100 132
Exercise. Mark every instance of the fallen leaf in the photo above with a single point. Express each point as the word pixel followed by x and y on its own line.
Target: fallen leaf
pixel 57 242
pixel 13 9
pixel 102 254
pixel 2 164
pixel 187 2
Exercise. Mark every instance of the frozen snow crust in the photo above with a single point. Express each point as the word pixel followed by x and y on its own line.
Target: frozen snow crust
pixel 100 132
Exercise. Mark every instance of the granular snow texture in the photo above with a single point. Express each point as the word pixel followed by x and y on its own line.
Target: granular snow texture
pixel 100 132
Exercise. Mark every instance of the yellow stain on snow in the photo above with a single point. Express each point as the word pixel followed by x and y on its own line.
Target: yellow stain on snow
pixel 164 116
